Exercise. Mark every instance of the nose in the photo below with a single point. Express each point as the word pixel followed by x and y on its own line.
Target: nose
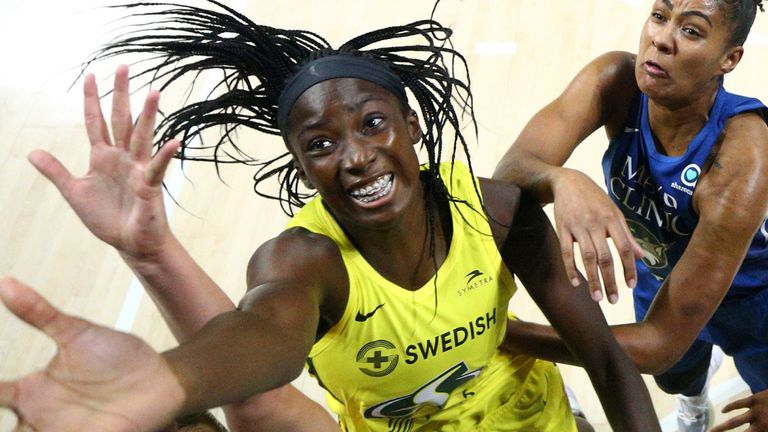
pixel 663 39
pixel 358 155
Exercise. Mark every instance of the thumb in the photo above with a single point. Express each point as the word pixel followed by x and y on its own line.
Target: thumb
pixel 33 309
pixel 52 169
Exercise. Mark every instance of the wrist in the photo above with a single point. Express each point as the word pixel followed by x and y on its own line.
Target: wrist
pixel 151 260
pixel 185 389
pixel 547 184
pixel 560 178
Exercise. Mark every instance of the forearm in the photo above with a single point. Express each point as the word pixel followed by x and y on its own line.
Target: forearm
pixel 236 355
pixel 622 392
pixel 185 295
pixel 616 380
pixel 532 174
pixel 543 342
pixel 536 340
pixel 285 409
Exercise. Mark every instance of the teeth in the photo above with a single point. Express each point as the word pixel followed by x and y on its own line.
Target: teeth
pixel 375 190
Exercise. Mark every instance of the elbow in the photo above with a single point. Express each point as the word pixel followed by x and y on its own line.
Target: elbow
pixel 652 350
pixel 657 357
pixel 290 368
pixel 657 364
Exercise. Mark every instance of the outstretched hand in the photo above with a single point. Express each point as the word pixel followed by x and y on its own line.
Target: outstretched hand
pixel 99 380
pixel 756 415
pixel 119 199
pixel 585 215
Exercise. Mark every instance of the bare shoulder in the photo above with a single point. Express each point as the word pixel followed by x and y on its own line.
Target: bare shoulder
pixel 611 70
pixel 735 171
pixel 607 84
pixel 294 251
pixel 501 200
pixel 303 260
pixel 615 79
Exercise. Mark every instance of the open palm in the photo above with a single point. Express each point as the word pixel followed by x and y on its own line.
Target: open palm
pixel 100 379
pixel 120 197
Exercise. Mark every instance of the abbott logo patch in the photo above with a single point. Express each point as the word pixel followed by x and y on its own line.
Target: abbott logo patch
pixel 378 358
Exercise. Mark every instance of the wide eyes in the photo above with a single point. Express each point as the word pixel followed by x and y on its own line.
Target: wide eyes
pixel 319 144
pixel 690 31
pixel 371 125
pixel 687 29
pixel 372 122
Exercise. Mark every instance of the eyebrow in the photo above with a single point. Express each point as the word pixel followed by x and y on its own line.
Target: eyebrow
pixel 698 14
pixel 321 122
pixel 670 5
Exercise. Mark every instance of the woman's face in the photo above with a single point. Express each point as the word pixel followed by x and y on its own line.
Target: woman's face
pixel 353 142
pixel 684 50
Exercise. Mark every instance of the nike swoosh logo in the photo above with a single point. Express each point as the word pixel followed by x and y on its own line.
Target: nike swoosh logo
pixel 364 317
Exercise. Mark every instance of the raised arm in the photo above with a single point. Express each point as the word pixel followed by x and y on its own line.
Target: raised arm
pixel 598 96
pixel 120 201
pixel 529 248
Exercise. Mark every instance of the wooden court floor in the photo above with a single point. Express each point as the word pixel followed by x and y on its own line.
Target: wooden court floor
pixel 521 54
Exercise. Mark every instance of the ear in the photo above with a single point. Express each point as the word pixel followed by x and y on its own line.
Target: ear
pixel 302 175
pixel 732 58
pixel 414 128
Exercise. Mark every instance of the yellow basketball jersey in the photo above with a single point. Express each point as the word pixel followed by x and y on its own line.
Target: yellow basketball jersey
pixel 428 360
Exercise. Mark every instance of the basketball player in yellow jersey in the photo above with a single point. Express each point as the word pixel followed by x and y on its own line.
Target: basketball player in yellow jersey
pixel 372 362
pixel 394 282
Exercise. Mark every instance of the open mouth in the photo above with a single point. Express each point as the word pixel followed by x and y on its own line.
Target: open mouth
pixel 655 69
pixel 374 191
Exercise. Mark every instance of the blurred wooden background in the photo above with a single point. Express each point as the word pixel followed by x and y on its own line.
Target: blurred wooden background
pixel 521 54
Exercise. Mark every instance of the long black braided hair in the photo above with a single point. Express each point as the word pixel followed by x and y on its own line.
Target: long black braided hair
pixel 255 62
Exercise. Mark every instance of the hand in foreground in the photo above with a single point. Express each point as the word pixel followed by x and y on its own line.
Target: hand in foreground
pixel 756 415
pixel 584 214
pixel 99 380
pixel 119 199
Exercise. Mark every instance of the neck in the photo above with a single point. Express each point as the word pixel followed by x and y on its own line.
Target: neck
pixel 402 253
pixel 675 125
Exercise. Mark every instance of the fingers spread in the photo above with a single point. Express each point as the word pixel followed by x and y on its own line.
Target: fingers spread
pixel 144 132
pixel 52 169
pixel 626 251
pixel 605 264
pixel 33 309
pixel 738 404
pixel 566 250
pixel 156 169
pixel 95 125
pixel 732 423
pixel 122 122
pixel 589 257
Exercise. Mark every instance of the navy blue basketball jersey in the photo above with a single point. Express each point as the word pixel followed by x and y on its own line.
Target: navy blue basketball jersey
pixel 655 191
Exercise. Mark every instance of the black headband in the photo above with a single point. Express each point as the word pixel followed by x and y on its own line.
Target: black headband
pixel 336 66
